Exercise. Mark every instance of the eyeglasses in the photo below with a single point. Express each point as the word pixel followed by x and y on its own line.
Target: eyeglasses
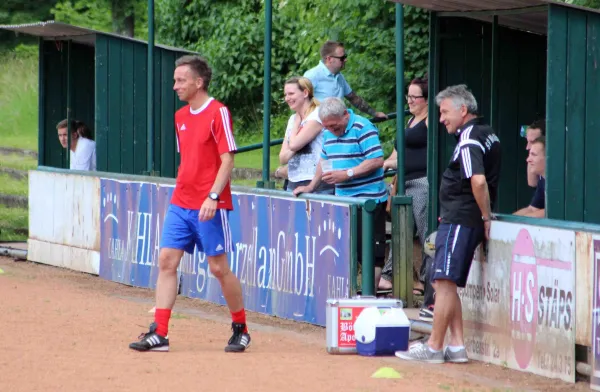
pixel 341 58
pixel 413 97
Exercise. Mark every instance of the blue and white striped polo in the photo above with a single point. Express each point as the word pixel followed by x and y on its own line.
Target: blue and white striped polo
pixel 359 142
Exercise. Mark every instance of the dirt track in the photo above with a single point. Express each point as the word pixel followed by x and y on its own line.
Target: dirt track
pixel 66 331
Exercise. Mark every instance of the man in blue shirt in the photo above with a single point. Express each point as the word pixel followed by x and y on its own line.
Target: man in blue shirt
pixel 328 80
pixel 536 162
pixel 352 160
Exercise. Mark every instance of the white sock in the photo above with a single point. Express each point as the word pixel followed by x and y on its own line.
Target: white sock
pixel 456 349
pixel 433 351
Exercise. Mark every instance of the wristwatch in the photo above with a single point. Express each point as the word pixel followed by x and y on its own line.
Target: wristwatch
pixel 350 173
pixel 213 196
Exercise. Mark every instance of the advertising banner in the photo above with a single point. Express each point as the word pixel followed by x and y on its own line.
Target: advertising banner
pixel 290 255
pixel 519 304
pixel 595 378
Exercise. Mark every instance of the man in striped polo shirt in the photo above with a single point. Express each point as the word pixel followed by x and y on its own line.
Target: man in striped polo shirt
pixel 352 160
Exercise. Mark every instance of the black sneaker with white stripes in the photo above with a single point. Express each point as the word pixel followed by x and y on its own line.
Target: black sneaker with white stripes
pixel 239 341
pixel 151 341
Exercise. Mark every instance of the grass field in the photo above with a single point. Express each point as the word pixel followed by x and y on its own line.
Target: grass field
pixel 253 159
pixel 18 102
pixel 18 161
pixel 11 186
pixel 12 223
pixel 18 129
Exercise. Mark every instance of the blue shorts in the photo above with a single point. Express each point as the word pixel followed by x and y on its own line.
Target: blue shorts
pixel 182 230
pixel 455 246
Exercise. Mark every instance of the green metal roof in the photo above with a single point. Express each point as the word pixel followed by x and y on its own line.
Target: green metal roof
pixel 52 30
pixel 528 15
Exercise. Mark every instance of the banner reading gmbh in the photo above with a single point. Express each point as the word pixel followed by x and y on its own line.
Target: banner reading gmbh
pixel 290 255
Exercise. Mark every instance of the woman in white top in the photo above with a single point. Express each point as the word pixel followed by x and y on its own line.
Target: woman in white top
pixel 83 148
pixel 301 148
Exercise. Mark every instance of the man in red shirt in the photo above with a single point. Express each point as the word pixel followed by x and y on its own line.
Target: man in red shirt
pixel 199 210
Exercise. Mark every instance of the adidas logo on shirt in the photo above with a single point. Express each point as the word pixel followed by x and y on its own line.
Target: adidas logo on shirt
pixel 183 128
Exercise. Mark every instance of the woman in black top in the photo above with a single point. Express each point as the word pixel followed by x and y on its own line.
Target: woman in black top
pixel 415 177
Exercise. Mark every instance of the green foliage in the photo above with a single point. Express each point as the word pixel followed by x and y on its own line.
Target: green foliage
pixel 21 11
pixel 416 42
pixel 92 15
pixel 585 3
pixel 24 52
pixel 25 11
pixel 98 15
pixel 13 224
pixel 230 35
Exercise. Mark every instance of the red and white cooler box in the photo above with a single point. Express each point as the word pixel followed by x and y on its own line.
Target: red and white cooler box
pixel 381 334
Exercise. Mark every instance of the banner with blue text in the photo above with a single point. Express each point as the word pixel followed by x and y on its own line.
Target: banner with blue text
pixel 290 255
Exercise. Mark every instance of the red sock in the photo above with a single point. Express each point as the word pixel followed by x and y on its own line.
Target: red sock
pixel 239 317
pixel 161 317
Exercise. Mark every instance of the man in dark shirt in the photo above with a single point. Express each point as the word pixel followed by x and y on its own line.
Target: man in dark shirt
pixel 536 161
pixel 467 194
pixel 534 131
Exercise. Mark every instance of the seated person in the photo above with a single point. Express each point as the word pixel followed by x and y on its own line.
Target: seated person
pixel 537 166
pixel 83 148
pixel 534 131
pixel 352 145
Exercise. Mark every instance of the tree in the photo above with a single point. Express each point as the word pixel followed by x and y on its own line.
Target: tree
pixel 585 3
pixel 22 11
pixel 124 17
pixel 230 35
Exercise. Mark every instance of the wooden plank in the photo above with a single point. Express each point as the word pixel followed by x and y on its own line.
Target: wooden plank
pixel 41 104
pixel 55 102
pixel 65 195
pixel 432 133
pixel 140 105
pixel 82 67
pixel 167 108
pixel 584 289
pixel 575 115
pixel 527 96
pixel 485 106
pixel 508 125
pixel 40 221
pixel 178 105
pixel 101 112
pixel 592 121
pixel 452 71
pixel 473 67
pixel 127 107
pixel 158 96
pixel 84 202
pixel 556 112
pixel 114 105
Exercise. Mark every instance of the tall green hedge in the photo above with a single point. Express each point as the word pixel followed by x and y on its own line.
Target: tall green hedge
pixel 230 34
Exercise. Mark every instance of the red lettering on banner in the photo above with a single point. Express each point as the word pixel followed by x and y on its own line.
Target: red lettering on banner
pixel 346 318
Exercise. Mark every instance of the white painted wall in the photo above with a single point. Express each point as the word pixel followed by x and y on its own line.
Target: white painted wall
pixel 64 220
pixel 64 231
